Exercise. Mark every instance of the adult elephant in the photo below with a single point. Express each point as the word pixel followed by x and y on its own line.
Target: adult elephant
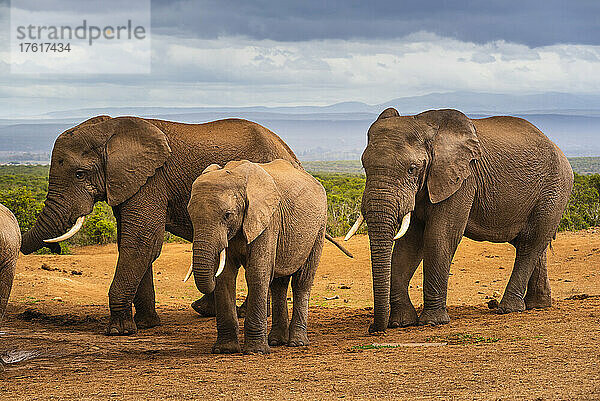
pixel 443 175
pixel 144 169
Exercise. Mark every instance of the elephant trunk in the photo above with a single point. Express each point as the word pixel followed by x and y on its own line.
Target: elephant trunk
pixel 49 224
pixel 203 265
pixel 381 232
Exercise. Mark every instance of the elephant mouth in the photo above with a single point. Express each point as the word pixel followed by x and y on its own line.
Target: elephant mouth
pixel 404 225
pixel 222 258
pixel 76 227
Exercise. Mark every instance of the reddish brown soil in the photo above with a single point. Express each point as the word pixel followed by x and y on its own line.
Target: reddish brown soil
pixel 544 354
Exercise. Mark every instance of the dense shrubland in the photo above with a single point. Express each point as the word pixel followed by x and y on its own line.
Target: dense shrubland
pixel 23 190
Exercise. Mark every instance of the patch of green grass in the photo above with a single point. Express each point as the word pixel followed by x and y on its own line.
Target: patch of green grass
pixel 462 338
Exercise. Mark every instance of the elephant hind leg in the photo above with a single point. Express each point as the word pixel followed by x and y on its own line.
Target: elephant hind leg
pixel 279 334
pixel 538 288
pixel 145 303
pixel 7 274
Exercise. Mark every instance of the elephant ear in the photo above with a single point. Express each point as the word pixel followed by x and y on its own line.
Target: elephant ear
pixel 387 113
pixel 262 198
pixel 454 144
pixel 134 151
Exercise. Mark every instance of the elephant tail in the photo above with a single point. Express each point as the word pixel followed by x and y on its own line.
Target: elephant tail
pixel 334 242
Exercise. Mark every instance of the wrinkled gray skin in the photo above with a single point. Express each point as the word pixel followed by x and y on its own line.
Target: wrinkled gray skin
pixel 144 169
pixel 10 242
pixel 271 218
pixel 495 179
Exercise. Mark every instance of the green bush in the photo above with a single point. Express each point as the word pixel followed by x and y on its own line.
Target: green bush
pixel 583 209
pixel 344 194
pixel 24 205
pixel 100 227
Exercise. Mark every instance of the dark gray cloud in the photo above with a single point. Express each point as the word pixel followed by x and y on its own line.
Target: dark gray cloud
pixel 530 22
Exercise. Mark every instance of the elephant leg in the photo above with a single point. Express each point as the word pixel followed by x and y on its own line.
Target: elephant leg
pixel 141 232
pixel 302 282
pixel 7 274
pixel 444 229
pixel 529 271
pixel 227 321
pixel 406 257
pixel 241 310
pixel 259 270
pixel 538 288
pixel 145 304
pixel 279 334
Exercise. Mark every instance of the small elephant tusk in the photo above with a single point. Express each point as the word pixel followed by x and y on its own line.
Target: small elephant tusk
pixel 221 263
pixel 189 273
pixel 355 227
pixel 69 233
pixel 403 227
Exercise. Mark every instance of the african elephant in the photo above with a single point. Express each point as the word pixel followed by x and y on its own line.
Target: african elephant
pixel 270 218
pixel 443 176
pixel 144 169
pixel 10 241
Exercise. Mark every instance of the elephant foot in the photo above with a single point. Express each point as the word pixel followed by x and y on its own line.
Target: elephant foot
pixel 298 339
pixel 278 336
pixel 121 324
pixel 146 320
pixel 434 317
pixel 510 304
pixel 256 347
pixel 538 301
pixel 403 315
pixel 226 347
pixel 205 306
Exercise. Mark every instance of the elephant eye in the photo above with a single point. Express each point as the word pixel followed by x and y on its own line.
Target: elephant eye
pixel 227 216
pixel 80 174
pixel 412 169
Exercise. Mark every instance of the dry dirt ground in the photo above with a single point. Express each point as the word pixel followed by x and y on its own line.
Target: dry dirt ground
pixel 60 310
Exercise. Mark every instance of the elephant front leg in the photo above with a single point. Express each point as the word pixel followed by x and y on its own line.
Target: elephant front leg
pixel 140 236
pixel 227 321
pixel 406 257
pixel 255 325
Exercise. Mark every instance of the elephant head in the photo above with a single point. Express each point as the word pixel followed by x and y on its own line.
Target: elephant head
pixel 102 158
pixel 409 158
pixel 241 197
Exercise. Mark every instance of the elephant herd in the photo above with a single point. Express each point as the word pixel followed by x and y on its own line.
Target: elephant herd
pixel 239 194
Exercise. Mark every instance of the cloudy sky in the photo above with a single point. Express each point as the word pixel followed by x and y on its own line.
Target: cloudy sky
pixel 273 52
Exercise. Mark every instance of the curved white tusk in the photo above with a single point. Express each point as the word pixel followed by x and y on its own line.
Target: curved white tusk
pixel 69 233
pixel 221 263
pixel 189 273
pixel 403 227
pixel 355 227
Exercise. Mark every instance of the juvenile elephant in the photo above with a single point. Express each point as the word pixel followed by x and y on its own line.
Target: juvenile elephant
pixel 10 242
pixel 144 169
pixel 443 176
pixel 271 219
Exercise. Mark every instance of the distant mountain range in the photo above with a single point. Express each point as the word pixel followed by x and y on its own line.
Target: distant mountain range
pixel 338 131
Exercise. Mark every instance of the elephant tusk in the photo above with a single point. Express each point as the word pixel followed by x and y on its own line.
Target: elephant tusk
pixel 403 227
pixel 221 263
pixel 189 273
pixel 69 233
pixel 355 227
